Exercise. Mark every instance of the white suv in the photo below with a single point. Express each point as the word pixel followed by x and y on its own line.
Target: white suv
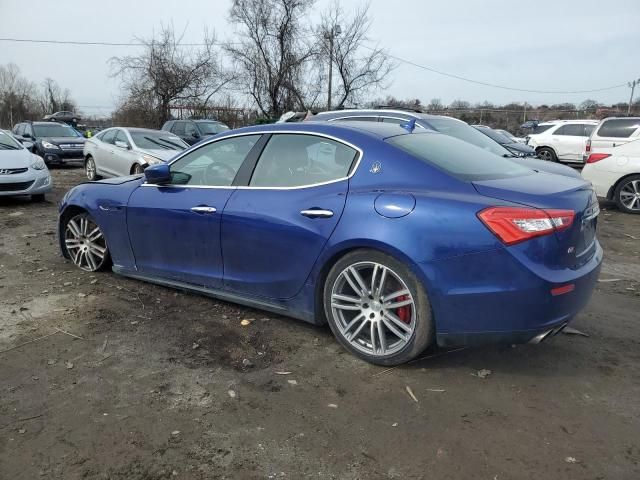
pixel 561 140
pixel 612 132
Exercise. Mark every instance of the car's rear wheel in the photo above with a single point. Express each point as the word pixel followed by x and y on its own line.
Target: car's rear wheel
pixel 547 154
pixel 627 194
pixel 137 169
pixel 90 169
pixel 377 308
pixel 85 244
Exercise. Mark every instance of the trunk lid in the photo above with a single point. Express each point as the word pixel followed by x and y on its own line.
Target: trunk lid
pixel 572 247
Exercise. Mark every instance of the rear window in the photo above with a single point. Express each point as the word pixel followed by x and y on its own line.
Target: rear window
pixel 464 132
pixel 619 128
pixel 540 128
pixel 460 159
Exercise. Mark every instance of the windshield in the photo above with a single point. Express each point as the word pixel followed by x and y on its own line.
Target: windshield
pixel 157 140
pixel 458 158
pixel 55 130
pixel 461 130
pixel 494 135
pixel 211 128
pixel 7 142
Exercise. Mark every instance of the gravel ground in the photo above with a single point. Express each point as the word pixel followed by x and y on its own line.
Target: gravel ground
pixel 161 384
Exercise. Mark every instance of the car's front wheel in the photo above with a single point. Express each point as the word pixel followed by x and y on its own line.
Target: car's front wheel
pixel 377 308
pixel 627 194
pixel 84 243
pixel 547 154
pixel 90 169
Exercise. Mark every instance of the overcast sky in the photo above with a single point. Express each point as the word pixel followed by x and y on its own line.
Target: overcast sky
pixel 546 45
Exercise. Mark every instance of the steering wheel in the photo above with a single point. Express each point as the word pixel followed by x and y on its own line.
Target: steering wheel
pixel 216 171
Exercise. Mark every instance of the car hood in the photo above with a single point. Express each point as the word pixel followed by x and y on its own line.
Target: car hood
pixel 63 140
pixel 15 158
pixel 162 154
pixel 520 148
pixel 548 167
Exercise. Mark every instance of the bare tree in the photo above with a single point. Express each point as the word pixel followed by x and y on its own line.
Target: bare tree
pixel 17 97
pixel 271 56
pixel 360 68
pixel 54 98
pixel 435 105
pixel 166 73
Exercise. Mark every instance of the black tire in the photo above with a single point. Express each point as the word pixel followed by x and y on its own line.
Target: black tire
pixel 38 197
pixel 546 153
pixel 627 186
pixel 91 173
pixel 72 243
pixel 423 331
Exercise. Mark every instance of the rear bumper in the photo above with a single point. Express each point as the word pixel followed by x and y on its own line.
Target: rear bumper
pixel 491 297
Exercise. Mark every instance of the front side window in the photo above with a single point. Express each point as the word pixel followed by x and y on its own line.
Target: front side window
pixel 109 136
pixel 20 129
pixel 214 164
pixel 190 129
pixel 540 128
pixel 178 129
pixel 460 159
pixel 619 128
pixel 54 130
pixel 291 160
pixel 122 137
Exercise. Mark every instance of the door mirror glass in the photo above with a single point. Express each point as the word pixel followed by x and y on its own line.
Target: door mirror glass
pixel 158 174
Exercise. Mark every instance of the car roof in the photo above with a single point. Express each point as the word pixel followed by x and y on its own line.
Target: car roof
pixel 377 130
pixel 375 111
pixel 558 122
pixel 142 130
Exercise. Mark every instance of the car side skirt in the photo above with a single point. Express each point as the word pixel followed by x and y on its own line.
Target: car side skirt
pixel 281 309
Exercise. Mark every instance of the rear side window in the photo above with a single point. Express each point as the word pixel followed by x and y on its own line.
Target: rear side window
pixel 619 128
pixel 301 160
pixel 540 128
pixel 571 129
pixel 458 158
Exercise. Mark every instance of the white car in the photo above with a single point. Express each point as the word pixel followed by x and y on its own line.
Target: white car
pixel 561 140
pixel 612 132
pixel 22 172
pixel 615 175
pixel 116 152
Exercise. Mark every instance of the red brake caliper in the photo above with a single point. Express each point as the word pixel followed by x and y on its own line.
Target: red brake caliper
pixel 404 313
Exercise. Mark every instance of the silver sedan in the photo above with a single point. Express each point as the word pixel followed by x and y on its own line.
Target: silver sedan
pixel 21 172
pixel 117 152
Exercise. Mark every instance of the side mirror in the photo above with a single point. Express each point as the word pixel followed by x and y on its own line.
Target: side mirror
pixel 121 144
pixel 158 174
pixel 27 136
pixel 195 135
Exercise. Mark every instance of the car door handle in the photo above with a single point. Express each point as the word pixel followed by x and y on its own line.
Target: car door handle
pixel 203 209
pixel 317 213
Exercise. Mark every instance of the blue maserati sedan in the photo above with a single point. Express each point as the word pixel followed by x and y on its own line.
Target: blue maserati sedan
pixel 396 237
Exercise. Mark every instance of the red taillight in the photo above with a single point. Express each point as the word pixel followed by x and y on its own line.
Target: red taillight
pixel 514 225
pixel 570 287
pixel 588 147
pixel 596 157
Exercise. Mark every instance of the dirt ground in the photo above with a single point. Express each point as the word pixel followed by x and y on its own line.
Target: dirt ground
pixel 163 384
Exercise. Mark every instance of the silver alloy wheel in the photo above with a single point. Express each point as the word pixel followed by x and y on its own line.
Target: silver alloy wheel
pixel 85 243
pixel 630 195
pixel 545 155
pixel 373 308
pixel 90 168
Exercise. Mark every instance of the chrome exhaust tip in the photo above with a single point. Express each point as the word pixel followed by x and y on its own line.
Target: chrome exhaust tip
pixel 540 337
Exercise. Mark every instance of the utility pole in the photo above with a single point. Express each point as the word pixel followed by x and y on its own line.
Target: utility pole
pixel 524 114
pixel 632 86
pixel 334 32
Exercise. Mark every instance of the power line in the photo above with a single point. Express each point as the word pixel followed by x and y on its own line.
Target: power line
pixel 395 57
